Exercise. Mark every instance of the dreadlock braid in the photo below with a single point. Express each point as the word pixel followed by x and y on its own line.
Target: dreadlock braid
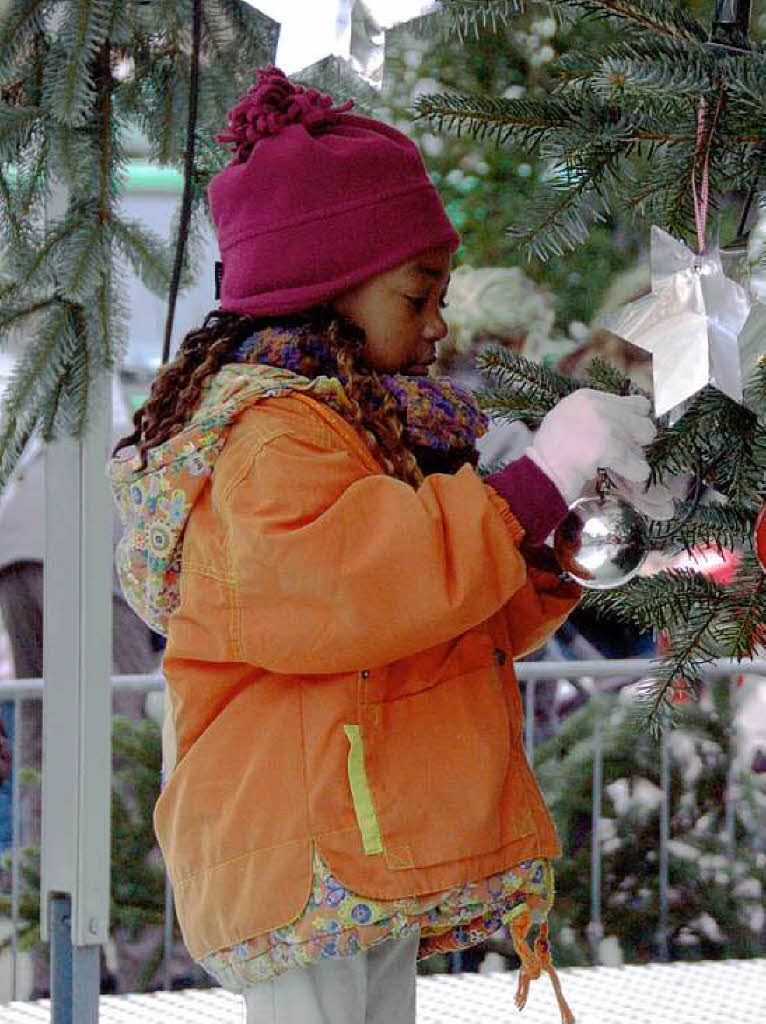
pixel 176 390
pixel 375 411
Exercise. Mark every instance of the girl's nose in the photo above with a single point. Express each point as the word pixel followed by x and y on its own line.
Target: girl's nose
pixel 436 328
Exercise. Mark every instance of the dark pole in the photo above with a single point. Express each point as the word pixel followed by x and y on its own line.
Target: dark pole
pixel 731 22
pixel 183 227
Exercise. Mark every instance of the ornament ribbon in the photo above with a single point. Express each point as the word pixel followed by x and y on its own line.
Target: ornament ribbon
pixel 702 154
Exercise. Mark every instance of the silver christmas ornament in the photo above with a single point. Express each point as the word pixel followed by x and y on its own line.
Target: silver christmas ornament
pixel 689 322
pixel 602 543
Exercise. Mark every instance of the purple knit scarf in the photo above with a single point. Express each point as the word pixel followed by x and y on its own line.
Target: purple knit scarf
pixel 436 414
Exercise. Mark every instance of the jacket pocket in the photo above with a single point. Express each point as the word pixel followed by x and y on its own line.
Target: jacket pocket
pixel 439 764
pixel 361 795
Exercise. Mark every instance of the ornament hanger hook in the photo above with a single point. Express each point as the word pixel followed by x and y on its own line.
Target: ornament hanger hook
pixel 604 484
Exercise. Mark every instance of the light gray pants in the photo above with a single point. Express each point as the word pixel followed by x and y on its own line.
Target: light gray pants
pixel 375 987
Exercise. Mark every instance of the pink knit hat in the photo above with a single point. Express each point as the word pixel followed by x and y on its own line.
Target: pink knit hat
pixel 315 200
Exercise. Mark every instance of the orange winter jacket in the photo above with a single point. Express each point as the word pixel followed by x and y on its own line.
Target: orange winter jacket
pixel 339 662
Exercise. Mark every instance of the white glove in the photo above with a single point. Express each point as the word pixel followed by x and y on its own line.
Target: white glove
pixel 591 430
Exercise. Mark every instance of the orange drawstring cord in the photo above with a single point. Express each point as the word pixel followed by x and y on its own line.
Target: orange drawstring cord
pixel 534 962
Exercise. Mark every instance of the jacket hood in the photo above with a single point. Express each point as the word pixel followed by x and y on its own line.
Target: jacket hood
pixel 154 502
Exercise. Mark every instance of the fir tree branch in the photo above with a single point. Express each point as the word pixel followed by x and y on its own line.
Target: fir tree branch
pixel 644 88
pixel 699 439
pixel 746 81
pixel 690 646
pixel 47 422
pixel 18 235
pixel 563 219
pixel 605 377
pixel 40 259
pixel 511 406
pixel 692 618
pixel 215 30
pixel 663 194
pixel 250 42
pixel 580 66
pixel 107 317
pixel 461 17
pixel 522 120
pixel 689 73
pixel 167 90
pixel 82 367
pixel 15 435
pixel 663 19
pixel 737 471
pixel 81 257
pixel 527 381
pixel 69 90
pixel 33 385
pixel 674 453
pixel 15 124
pixel 464 16
pixel 21 20
pixel 245 30
pixel 148 254
pixel 35 177
pixel 747 609
pixel 11 316
pixel 720 524
pixel 75 154
pixel 755 390
pixel 658 600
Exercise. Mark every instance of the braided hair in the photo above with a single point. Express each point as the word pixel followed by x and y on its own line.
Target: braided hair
pixel 176 390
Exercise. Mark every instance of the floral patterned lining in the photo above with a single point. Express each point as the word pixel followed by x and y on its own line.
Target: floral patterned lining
pixel 337 923
pixel 154 503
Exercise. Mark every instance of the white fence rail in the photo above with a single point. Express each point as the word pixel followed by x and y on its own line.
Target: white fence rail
pixel 19 690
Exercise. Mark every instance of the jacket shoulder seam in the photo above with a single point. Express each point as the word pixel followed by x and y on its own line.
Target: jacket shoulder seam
pixel 235 608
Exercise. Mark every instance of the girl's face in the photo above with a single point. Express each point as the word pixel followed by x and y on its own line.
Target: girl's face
pixel 400 313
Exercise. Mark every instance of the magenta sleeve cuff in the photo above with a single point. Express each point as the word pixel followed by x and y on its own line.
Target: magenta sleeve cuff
pixel 531 496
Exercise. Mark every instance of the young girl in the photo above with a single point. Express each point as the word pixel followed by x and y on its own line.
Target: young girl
pixel 343 596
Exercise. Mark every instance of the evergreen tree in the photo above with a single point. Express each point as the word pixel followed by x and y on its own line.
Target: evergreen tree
pixel 75 77
pixel 494 185
pixel 715 870
pixel 137 888
pixel 629 125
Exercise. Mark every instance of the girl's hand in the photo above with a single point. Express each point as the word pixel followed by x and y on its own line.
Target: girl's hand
pixel 591 430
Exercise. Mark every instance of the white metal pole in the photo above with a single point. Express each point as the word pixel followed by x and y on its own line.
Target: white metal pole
pixel 77 659
pixel 529 722
pixel 730 798
pixel 663 929
pixel 595 928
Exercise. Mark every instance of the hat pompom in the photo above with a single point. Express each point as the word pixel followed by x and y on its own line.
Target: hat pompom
pixel 272 104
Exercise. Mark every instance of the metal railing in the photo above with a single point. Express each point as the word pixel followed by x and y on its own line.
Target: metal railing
pixel 19 690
